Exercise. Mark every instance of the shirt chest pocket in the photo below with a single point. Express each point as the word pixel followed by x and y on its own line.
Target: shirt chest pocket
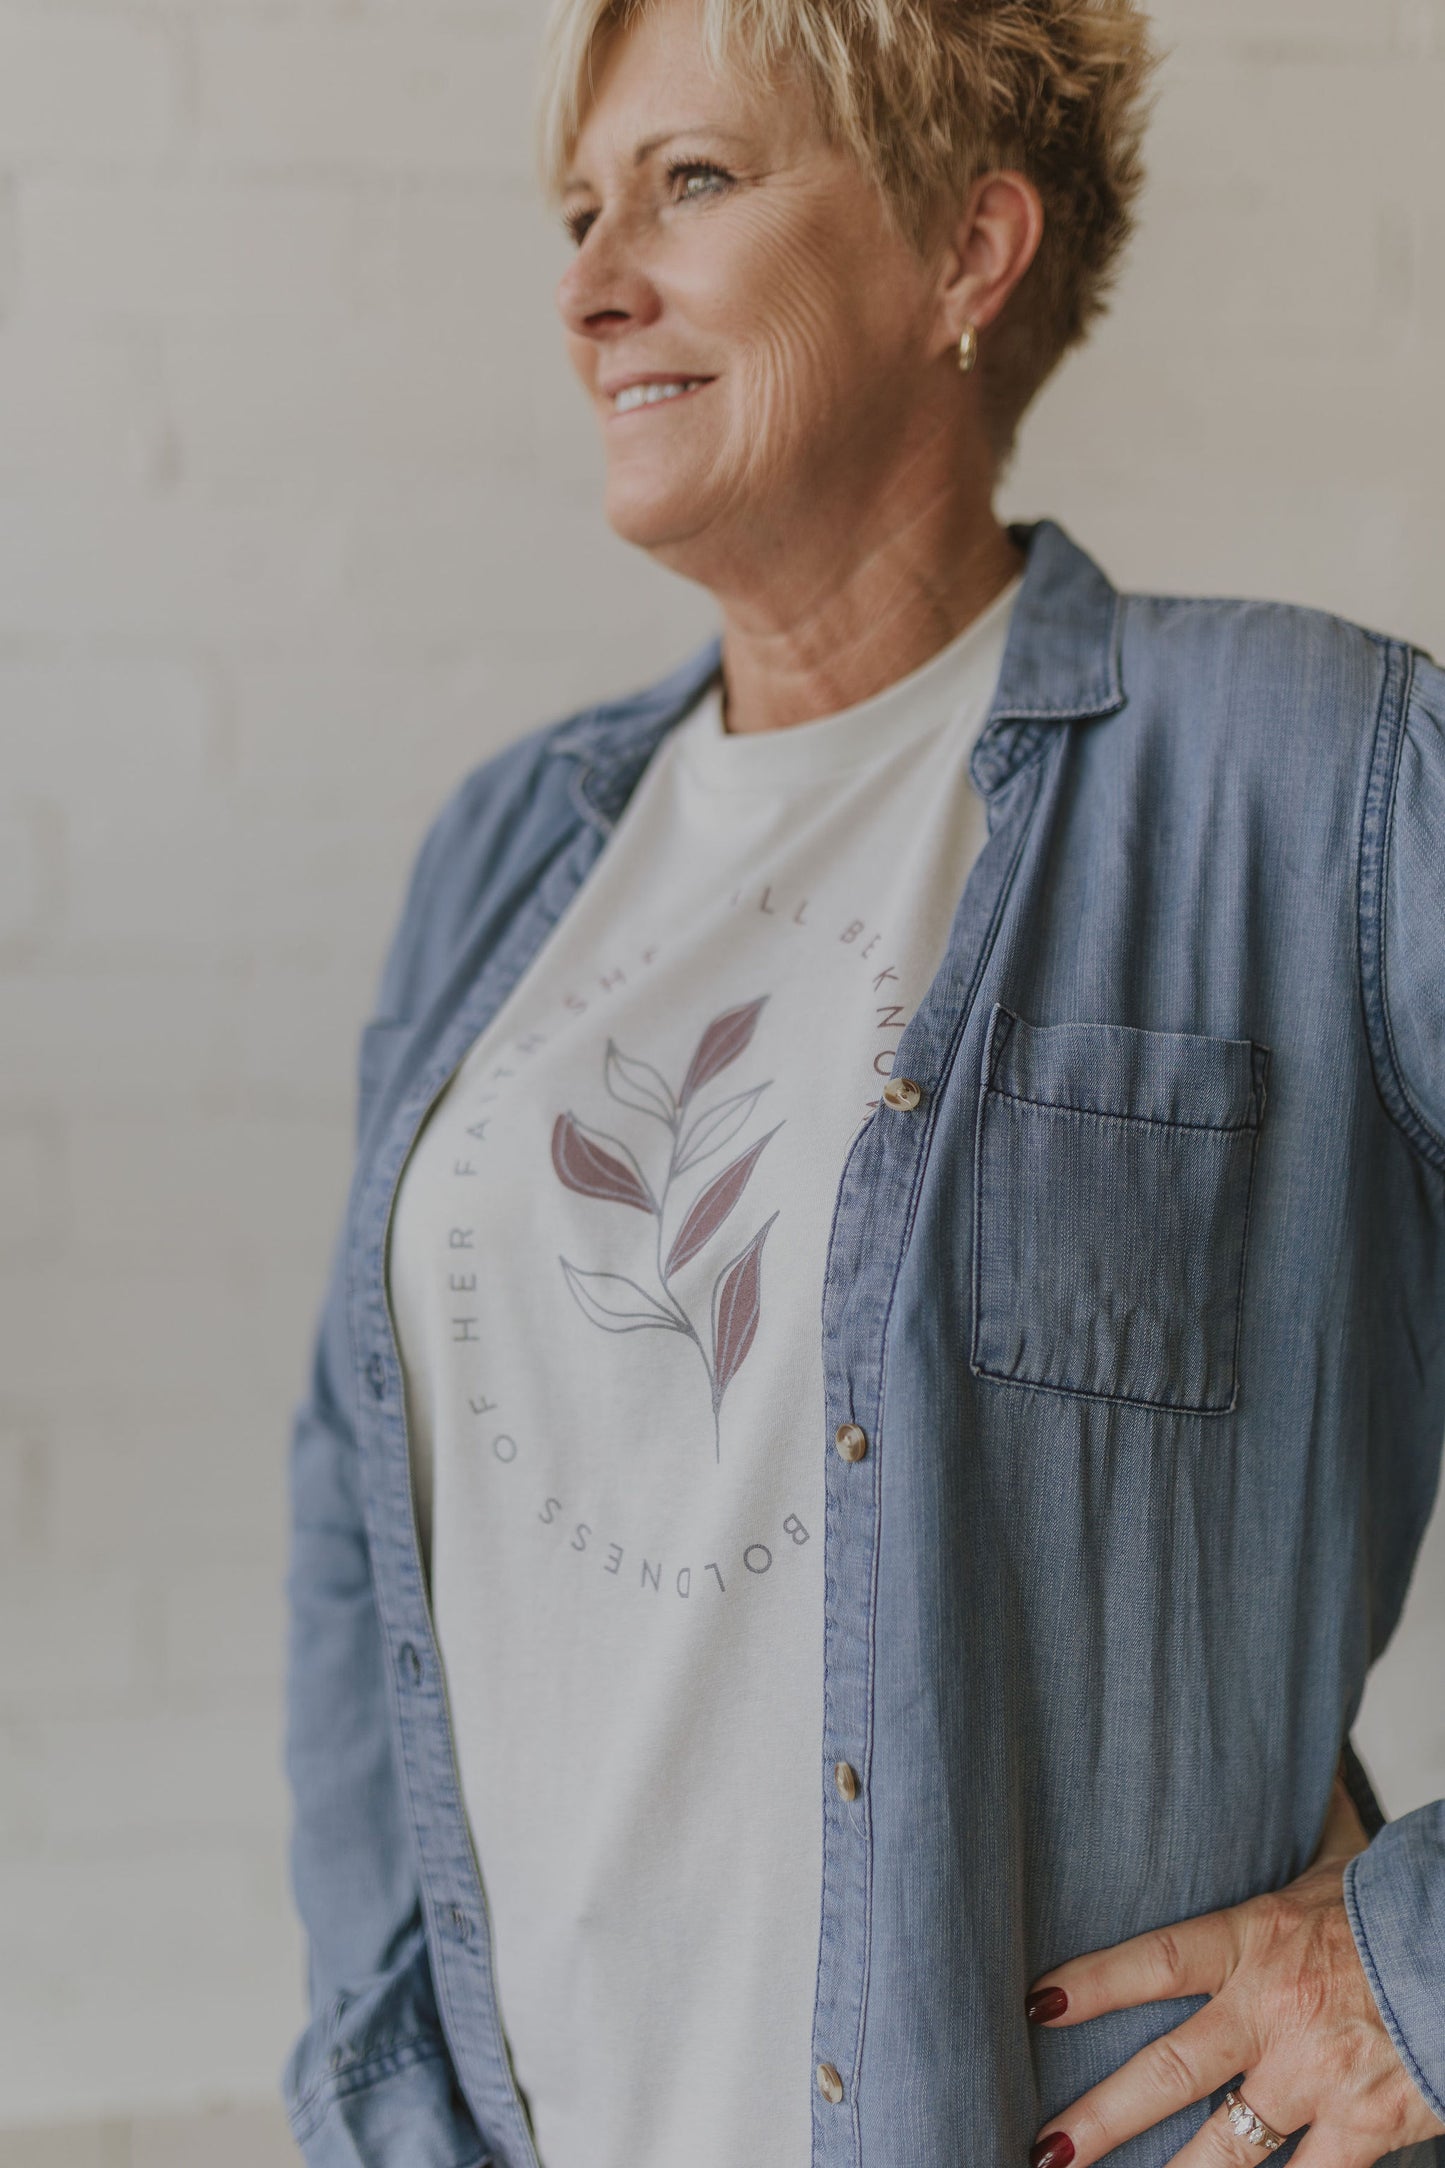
pixel 1112 1178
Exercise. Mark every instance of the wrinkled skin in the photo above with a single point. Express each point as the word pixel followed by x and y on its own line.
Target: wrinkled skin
pixel 832 484
pixel 1290 2007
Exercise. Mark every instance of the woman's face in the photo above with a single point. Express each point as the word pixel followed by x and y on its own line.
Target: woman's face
pixel 723 245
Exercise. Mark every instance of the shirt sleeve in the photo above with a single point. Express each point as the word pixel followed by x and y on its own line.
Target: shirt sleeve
pixel 1404 934
pixel 1395 1889
pixel 370 2081
pixel 1395 1896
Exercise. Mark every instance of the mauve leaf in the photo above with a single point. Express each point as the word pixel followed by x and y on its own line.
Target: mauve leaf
pixel 737 1300
pixel 637 1084
pixel 713 1206
pixel 583 1164
pixel 724 1039
pixel 616 1303
pixel 717 1127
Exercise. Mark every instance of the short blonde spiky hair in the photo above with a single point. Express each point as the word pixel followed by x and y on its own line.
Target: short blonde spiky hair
pixel 929 95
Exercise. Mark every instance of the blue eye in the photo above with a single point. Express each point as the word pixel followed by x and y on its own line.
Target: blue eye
pixel 686 168
pixel 715 178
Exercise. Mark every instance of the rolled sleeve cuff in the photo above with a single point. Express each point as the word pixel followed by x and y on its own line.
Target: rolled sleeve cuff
pixel 1395 1896
pixel 399 2105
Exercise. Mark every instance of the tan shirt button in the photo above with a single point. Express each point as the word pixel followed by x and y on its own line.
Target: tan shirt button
pixel 851 1442
pixel 903 1093
pixel 845 1776
pixel 830 2085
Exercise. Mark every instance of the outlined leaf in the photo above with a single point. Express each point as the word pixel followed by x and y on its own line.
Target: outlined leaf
pixel 713 1206
pixel 737 1304
pixel 723 1040
pixel 585 1163
pixel 616 1303
pixel 716 1127
pixel 637 1084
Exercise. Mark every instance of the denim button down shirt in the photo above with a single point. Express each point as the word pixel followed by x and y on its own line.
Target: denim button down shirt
pixel 1141 1312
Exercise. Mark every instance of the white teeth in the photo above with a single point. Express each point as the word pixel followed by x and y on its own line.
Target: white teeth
pixel 635 395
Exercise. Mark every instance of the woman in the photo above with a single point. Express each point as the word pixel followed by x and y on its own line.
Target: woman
pixel 883 1375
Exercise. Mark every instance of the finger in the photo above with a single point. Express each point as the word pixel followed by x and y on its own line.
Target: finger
pixel 1325 2149
pixel 1194 1958
pixel 1217 2144
pixel 1171 2073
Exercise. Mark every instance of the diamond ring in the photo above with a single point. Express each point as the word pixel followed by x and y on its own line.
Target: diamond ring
pixel 1246 2124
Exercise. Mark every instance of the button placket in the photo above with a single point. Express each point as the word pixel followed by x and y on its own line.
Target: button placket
pixel 850 1443
pixel 871 1219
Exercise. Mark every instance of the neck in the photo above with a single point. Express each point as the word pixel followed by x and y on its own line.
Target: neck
pixel 799 649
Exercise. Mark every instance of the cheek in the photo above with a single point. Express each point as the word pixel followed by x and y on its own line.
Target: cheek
pixel 789 334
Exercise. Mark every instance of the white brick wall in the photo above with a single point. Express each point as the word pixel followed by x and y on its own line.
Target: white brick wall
pixel 294 490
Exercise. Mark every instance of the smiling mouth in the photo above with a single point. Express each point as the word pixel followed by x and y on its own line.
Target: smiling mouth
pixel 634 398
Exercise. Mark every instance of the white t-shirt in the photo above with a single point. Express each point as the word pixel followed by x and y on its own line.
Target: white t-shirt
pixel 606 1269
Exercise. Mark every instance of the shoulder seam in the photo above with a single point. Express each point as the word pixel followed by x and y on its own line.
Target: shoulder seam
pixel 1269 603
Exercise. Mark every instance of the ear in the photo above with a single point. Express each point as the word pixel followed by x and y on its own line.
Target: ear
pixel 989 245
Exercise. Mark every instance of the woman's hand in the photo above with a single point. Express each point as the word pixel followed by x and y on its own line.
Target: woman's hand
pixel 1291 2017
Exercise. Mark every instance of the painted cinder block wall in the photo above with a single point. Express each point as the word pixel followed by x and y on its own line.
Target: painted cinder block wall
pixel 299 518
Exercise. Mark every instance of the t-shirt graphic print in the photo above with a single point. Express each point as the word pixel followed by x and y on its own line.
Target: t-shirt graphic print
pixel 596 1164
pixel 606 1267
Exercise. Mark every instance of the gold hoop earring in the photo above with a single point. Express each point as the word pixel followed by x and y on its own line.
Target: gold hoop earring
pixel 968 350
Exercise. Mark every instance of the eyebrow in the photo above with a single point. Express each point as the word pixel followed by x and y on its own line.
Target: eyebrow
pixel 649 144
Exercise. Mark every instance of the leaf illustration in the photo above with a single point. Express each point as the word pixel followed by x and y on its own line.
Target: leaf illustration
pixel 713 1206
pixel 716 1127
pixel 616 1303
pixel 637 1084
pixel 583 1164
pixel 737 1300
pixel 724 1039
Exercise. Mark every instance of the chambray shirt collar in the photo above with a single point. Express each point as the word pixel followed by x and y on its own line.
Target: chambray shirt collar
pixel 1061 664
pixel 1062 660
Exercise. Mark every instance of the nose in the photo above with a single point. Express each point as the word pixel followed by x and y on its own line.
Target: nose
pixel 605 290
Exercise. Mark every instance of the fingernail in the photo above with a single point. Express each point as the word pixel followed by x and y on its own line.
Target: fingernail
pixel 1045 2003
pixel 1054 2151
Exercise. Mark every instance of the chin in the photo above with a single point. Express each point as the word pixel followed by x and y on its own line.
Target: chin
pixel 652 517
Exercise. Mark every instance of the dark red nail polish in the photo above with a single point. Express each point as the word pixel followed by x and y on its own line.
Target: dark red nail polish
pixel 1045 2003
pixel 1054 2151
